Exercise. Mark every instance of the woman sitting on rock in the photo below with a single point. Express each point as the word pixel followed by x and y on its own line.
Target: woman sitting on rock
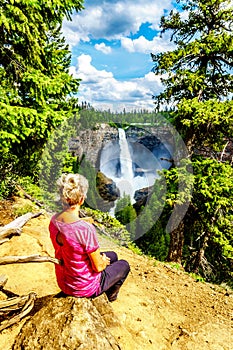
pixel 85 271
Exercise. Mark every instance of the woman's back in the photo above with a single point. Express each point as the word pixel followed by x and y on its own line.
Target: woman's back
pixel 76 240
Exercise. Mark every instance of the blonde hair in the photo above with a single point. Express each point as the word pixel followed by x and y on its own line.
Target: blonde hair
pixel 72 188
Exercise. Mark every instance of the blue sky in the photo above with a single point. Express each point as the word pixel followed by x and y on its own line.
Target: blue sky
pixel 111 42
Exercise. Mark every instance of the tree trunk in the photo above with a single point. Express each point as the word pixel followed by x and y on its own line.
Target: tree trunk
pixel 176 244
pixel 200 254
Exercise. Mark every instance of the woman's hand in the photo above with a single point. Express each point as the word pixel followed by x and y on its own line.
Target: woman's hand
pixel 105 259
pixel 99 261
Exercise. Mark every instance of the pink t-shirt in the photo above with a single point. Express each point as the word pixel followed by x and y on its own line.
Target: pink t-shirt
pixel 75 276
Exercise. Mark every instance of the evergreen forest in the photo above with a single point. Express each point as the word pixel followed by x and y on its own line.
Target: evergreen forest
pixel 39 96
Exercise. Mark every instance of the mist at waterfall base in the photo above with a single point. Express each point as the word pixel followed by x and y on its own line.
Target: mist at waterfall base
pixel 131 165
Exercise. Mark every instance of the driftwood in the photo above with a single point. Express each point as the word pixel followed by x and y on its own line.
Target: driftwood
pixel 28 259
pixel 3 280
pixel 12 310
pixel 23 305
pixel 12 304
pixel 15 227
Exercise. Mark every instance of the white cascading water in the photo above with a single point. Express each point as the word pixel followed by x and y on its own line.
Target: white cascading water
pixel 125 182
pixel 118 166
pixel 131 166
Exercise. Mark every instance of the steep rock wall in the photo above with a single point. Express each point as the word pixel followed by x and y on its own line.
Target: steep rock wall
pixel 90 142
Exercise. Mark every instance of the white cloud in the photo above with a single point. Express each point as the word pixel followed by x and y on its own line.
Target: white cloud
pixel 88 73
pixel 103 48
pixel 113 19
pixel 143 45
pixel 102 90
pixel 116 21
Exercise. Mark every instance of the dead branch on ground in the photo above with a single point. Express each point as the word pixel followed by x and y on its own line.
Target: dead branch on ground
pixel 12 310
pixel 23 304
pixel 3 280
pixel 5 260
pixel 15 227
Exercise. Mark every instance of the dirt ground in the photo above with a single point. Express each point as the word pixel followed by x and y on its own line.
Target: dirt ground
pixel 160 306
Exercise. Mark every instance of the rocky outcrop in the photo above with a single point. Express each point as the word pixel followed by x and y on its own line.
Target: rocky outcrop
pixel 141 197
pixel 89 142
pixel 106 187
pixel 150 136
pixel 69 323
pixel 107 191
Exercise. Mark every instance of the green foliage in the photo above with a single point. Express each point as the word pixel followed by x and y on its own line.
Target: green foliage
pixel 56 159
pixel 30 187
pixel 150 234
pixel 201 64
pixel 124 211
pixel 197 278
pixel 8 175
pixel 36 87
pixel 134 248
pixel 172 189
pixel 198 80
pixel 214 201
pixel 210 122
pixel 179 184
pixel 155 242
pixel 27 208
pixel 175 266
pixel 90 117
pixel 70 163
pixel 212 215
pixel 111 226
pixel 126 214
pixel 93 199
pixel 199 72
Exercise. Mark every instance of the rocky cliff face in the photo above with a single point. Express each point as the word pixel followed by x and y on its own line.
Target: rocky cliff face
pixel 150 136
pixel 141 197
pixel 90 142
pixel 107 190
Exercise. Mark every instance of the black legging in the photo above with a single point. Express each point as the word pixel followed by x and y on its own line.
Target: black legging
pixel 113 276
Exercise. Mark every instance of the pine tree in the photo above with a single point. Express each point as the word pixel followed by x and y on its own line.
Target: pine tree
pixel 36 88
pixel 198 83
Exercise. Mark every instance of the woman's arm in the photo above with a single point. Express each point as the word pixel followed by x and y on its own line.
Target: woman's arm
pixel 98 261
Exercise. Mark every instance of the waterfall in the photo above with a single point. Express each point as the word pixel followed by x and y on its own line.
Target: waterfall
pixel 125 157
pixel 130 165
pixel 125 181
